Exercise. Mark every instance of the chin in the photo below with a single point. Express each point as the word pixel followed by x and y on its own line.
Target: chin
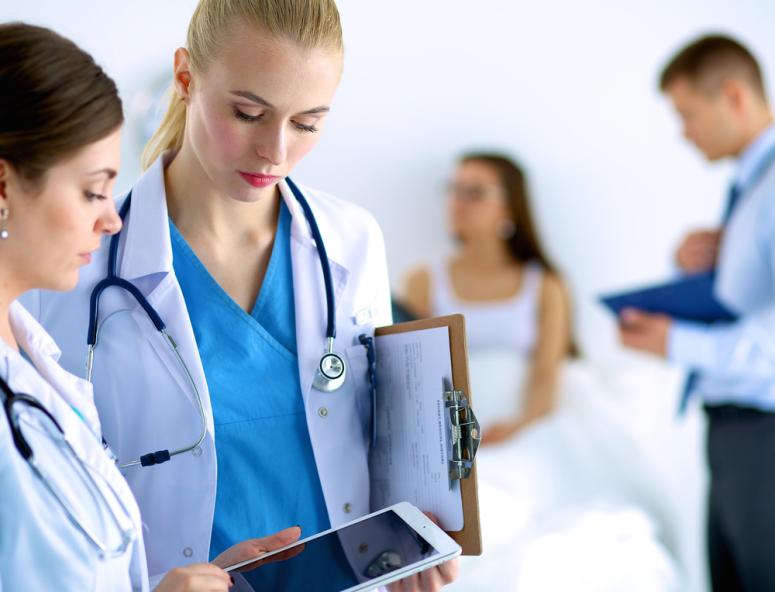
pixel 66 282
pixel 247 194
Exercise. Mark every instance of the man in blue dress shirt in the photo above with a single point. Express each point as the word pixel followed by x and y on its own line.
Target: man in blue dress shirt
pixel 716 86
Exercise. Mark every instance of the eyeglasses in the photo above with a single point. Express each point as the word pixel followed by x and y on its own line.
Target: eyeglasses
pixel 32 424
pixel 474 193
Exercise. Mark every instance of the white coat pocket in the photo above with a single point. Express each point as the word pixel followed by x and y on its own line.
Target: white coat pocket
pixel 358 376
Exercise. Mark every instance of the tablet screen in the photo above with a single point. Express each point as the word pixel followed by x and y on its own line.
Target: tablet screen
pixel 341 559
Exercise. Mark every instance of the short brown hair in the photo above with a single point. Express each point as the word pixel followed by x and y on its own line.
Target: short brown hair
pixel 54 99
pixel 711 60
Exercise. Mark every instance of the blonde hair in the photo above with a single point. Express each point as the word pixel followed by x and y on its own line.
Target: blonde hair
pixel 310 23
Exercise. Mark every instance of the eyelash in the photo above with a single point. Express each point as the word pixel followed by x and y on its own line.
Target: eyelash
pixel 91 196
pixel 308 129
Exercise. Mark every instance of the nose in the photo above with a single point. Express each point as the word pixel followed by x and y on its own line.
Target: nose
pixel 271 144
pixel 109 221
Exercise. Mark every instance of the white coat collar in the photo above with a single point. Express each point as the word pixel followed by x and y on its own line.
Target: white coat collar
pixel 44 353
pixel 148 217
pixel 32 337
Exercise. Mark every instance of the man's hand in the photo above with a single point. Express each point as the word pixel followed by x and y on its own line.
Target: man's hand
pixel 644 331
pixel 698 251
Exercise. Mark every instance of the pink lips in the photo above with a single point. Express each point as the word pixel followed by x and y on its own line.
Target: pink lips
pixel 86 257
pixel 259 180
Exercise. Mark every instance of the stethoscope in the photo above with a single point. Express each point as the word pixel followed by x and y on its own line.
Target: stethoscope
pixel 39 419
pixel 331 369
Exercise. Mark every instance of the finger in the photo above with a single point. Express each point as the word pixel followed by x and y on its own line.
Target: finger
pixel 411 583
pixel 430 580
pixel 203 569
pixel 632 317
pixel 207 583
pixel 280 539
pixel 283 555
pixel 449 570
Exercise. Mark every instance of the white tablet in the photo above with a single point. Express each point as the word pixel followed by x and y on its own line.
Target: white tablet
pixel 364 554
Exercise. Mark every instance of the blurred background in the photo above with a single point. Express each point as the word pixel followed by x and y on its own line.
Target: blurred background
pixel 567 88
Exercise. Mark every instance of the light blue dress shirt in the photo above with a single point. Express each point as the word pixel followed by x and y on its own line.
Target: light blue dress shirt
pixel 267 476
pixel 736 361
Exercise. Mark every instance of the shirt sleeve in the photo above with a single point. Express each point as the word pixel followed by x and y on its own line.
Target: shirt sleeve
pixel 742 349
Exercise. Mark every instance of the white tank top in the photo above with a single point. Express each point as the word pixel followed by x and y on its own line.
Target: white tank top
pixel 511 323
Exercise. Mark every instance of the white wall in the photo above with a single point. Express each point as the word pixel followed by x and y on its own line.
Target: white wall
pixel 567 87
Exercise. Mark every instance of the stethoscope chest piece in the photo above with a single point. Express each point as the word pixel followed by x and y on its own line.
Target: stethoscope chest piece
pixel 331 371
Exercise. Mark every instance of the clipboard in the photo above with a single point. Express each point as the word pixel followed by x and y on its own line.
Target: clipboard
pixel 690 298
pixel 458 401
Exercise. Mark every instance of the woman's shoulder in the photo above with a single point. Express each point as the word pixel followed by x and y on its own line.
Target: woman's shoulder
pixel 349 230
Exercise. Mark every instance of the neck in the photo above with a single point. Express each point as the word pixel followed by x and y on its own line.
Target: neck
pixel 759 122
pixel 8 293
pixel 486 252
pixel 199 210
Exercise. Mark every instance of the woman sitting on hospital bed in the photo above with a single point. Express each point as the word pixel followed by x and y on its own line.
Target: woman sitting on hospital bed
pixel 501 280
pixel 573 490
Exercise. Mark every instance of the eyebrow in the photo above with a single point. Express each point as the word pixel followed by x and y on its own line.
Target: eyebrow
pixel 246 94
pixel 111 173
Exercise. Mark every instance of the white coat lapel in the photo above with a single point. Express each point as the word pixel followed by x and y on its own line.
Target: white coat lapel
pixel 146 260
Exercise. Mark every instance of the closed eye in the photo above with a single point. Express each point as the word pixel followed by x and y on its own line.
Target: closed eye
pixel 245 117
pixel 311 129
pixel 91 196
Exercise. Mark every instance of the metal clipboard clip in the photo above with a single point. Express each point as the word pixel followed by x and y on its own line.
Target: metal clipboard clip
pixel 465 434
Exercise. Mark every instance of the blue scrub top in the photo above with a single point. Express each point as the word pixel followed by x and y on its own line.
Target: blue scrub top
pixel 267 477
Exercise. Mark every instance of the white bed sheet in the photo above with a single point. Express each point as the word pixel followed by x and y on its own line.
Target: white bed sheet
pixel 606 494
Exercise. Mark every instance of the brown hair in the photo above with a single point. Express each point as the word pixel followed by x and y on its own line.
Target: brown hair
pixel 310 23
pixel 525 244
pixel 711 60
pixel 54 99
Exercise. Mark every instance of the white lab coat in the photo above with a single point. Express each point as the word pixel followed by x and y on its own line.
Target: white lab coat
pixel 40 549
pixel 142 395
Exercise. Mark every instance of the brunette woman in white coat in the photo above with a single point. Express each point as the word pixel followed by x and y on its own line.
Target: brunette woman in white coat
pixel 68 520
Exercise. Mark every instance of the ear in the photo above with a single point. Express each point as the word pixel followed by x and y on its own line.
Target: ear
pixel 736 95
pixel 182 74
pixel 5 172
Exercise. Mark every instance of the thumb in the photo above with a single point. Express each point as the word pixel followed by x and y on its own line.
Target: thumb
pixel 281 538
pixel 632 317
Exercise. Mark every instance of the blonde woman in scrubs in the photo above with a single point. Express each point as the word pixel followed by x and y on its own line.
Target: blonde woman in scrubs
pixel 221 248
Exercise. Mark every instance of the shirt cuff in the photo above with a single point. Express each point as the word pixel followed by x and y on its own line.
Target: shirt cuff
pixel 691 345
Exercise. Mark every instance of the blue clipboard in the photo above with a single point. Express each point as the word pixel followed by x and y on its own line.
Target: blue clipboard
pixel 690 299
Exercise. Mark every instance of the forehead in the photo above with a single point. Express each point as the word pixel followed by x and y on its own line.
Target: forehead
pixel 277 69
pixel 102 154
pixel 477 171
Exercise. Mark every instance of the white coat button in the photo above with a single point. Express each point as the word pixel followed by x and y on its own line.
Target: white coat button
pixel 348 507
pixel 323 412
pixel 188 552
pixel 197 451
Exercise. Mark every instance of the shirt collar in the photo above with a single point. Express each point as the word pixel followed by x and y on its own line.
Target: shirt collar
pixel 752 157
